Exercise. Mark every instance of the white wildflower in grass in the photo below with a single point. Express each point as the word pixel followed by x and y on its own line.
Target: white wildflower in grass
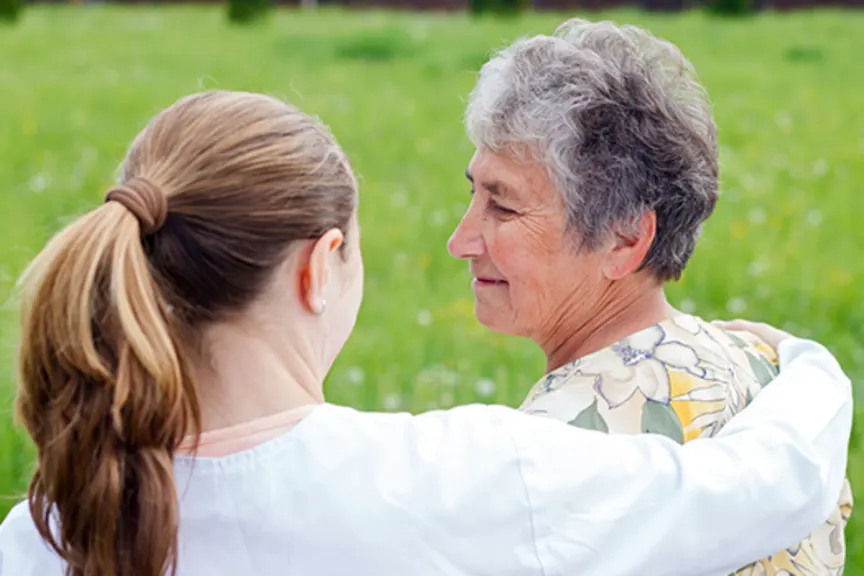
pixel 437 218
pixel 757 268
pixel 814 218
pixel 392 402
pixel 437 377
pixel 757 215
pixel 784 120
pixel 736 305
pixel 440 382
pixel 39 182
pixel 355 375
pixel 448 377
pixel 485 387
pixel 424 318
pixel 820 167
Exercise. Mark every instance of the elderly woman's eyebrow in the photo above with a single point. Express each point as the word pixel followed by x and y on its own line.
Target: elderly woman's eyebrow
pixel 495 188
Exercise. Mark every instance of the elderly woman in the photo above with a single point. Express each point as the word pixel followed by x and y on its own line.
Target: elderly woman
pixel 596 166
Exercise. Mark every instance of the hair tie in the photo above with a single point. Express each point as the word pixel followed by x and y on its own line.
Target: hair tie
pixel 145 200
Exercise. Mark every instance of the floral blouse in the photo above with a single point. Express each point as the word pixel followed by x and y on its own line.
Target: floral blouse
pixel 683 378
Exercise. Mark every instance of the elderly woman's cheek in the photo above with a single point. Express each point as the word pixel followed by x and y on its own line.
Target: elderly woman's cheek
pixel 510 252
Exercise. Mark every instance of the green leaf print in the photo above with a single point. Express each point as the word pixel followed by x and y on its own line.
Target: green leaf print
pixel 590 419
pixel 762 369
pixel 773 368
pixel 737 340
pixel 660 418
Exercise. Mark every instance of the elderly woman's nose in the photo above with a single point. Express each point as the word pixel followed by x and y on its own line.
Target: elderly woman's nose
pixel 466 241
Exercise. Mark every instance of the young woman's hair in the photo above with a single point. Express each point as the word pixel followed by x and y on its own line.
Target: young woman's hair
pixel 213 193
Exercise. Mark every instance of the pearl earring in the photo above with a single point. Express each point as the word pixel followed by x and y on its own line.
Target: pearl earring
pixel 322 308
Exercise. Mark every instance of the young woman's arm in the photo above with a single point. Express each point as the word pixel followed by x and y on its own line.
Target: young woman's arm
pixel 615 505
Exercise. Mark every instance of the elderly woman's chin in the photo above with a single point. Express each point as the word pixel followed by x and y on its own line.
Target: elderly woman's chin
pixel 491 309
pixel 495 322
pixel 506 321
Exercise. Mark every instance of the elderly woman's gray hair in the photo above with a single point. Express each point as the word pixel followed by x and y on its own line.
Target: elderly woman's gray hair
pixel 618 119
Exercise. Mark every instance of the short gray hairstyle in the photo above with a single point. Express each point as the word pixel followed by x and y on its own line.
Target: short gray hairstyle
pixel 620 122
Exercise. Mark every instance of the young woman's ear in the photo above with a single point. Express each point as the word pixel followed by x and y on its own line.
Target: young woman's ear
pixel 315 271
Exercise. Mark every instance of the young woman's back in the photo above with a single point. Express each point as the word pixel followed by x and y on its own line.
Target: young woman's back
pixel 472 490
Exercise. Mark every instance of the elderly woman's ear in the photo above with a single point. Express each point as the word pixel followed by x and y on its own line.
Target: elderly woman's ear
pixel 629 245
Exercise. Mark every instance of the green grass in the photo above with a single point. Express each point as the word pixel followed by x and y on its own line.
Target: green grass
pixel 783 246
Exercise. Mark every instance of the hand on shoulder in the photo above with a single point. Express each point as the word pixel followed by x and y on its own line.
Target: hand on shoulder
pixel 771 335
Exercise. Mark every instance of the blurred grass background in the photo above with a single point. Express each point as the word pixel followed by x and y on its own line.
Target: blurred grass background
pixel 77 83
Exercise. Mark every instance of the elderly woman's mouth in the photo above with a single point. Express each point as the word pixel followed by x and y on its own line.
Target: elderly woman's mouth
pixel 483 282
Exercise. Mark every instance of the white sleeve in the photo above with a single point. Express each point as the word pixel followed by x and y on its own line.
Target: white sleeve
pixel 617 505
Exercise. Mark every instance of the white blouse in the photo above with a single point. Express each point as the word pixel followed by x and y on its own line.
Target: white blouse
pixel 486 490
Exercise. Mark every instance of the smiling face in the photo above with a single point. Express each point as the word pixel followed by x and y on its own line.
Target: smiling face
pixel 530 278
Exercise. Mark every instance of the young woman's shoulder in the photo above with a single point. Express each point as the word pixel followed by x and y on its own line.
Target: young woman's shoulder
pixel 445 484
pixel 471 432
pixel 478 418
pixel 438 458
pixel 22 550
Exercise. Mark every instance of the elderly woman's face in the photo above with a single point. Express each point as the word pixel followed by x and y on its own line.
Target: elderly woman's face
pixel 529 276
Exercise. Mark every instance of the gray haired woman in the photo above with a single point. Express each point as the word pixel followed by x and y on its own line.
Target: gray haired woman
pixel 596 166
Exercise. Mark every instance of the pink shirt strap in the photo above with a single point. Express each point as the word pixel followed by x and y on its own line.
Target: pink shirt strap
pixel 234 439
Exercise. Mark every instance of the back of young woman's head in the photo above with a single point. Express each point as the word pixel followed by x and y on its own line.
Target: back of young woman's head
pixel 214 194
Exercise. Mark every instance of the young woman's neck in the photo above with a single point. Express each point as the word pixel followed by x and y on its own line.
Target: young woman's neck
pixel 626 308
pixel 250 373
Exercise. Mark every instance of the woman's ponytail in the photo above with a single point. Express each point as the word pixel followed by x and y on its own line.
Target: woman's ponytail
pixel 106 396
pixel 117 306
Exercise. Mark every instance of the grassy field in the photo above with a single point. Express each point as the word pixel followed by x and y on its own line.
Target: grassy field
pixel 77 84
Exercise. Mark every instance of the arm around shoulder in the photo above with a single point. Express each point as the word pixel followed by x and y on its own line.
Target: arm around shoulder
pixel 614 505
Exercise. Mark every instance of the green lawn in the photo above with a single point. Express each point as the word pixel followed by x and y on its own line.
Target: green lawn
pixel 77 84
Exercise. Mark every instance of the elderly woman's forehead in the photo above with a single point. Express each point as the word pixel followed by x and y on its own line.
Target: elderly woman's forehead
pixel 488 165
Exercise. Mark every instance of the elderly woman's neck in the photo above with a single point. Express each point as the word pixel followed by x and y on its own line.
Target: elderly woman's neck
pixel 626 308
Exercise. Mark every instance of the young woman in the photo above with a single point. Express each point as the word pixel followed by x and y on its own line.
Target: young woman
pixel 174 345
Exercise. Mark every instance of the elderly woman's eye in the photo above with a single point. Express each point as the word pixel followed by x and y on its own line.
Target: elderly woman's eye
pixel 495 207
